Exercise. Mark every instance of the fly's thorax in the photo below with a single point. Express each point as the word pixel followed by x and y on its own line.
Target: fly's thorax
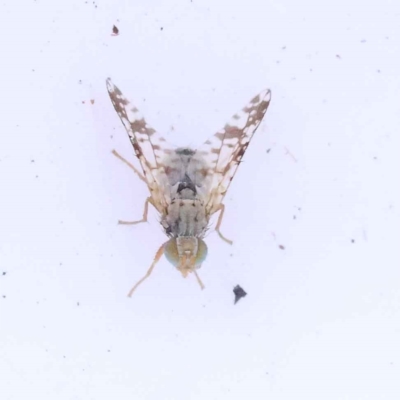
pixel 186 253
pixel 185 217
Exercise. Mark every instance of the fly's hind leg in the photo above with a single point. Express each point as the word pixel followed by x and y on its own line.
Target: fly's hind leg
pixel 145 211
pixel 138 173
pixel 221 209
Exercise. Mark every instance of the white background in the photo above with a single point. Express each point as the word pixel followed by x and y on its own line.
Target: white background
pixel 322 316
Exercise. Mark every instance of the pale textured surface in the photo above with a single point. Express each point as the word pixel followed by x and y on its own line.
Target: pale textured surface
pixel 321 319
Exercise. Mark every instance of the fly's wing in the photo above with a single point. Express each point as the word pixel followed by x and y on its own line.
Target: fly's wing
pixel 150 148
pixel 224 151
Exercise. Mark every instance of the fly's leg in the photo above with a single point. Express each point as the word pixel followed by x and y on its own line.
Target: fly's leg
pixel 145 211
pixel 221 210
pixel 199 280
pixel 150 270
pixel 138 173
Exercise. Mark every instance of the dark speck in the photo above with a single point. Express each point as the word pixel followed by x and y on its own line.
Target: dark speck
pixel 282 247
pixel 239 293
pixel 4 273
pixel 353 241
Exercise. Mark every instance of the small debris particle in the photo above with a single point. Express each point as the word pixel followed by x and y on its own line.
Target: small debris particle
pixel 4 297
pixel 284 48
pixel 282 247
pixel 290 154
pixel 363 41
pixel 161 29
pixel 4 273
pixel 294 217
pixel 268 150
pixel 92 101
pixel 77 303
pixel 239 293
pixel 338 56
pixel 83 101
pixel 115 31
pixel 353 241
pixel 32 161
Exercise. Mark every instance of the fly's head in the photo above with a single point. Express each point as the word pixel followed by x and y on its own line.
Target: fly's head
pixel 186 253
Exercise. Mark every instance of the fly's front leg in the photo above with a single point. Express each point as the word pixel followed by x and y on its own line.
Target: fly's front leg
pixel 221 210
pixel 138 173
pixel 145 211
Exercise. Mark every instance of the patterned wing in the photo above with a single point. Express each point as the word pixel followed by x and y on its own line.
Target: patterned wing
pixel 150 148
pixel 225 149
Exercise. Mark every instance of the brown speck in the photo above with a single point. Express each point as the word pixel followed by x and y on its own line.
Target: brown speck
pixel 239 293
pixel 83 101
pixel 92 101
pixel 282 247
pixel 115 31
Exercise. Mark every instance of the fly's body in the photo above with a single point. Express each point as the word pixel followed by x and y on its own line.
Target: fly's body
pixel 187 186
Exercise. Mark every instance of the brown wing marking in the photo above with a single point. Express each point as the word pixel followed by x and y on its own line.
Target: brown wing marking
pixel 150 148
pixel 226 148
